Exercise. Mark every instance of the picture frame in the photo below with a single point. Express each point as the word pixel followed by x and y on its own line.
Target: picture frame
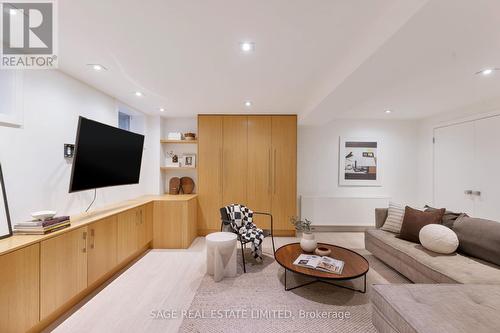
pixel 11 95
pixel 188 161
pixel 5 225
pixel 359 162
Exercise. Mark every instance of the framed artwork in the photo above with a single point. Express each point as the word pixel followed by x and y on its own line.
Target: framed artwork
pixel 11 90
pixel 5 226
pixel 188 161
pixel 359 162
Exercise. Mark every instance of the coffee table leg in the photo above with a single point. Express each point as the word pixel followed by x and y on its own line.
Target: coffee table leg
pixel 363 291
pixel 300 285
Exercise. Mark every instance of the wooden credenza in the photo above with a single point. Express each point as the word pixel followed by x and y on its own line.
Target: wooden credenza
pixel 41 277
pixel 247 159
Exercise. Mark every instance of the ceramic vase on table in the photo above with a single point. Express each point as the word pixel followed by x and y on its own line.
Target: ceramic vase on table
pixel 308 243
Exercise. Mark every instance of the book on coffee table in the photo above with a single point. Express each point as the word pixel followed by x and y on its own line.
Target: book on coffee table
pixel 325 264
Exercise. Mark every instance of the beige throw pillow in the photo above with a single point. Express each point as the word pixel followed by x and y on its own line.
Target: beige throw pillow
pixel 395 216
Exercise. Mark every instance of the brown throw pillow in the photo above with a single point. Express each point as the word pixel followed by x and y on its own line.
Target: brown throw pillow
pixel 415 220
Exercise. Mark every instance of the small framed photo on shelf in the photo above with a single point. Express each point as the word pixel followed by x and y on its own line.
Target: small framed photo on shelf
pixel 172 160
pixel 188 161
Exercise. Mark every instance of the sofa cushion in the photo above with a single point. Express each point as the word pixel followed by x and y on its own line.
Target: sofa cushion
pixel 430 266
pixel 436 308
pixel 438 238
pixel 449 217
pixel 414 220
pixel 479 238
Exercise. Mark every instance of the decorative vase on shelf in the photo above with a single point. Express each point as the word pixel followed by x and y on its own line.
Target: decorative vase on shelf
pixel 308 243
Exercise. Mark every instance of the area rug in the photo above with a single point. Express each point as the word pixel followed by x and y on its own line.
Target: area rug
pixel 257 302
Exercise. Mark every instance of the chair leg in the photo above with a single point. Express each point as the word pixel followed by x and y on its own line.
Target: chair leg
pixel 272 240
pixel 243 257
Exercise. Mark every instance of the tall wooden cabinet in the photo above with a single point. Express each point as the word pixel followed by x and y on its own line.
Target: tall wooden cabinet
pixel 250 160
pixel 284 173
pixel 209 172
pixel 234 159
pixel 259 162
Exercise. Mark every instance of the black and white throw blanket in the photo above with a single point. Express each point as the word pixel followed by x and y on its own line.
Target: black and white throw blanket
pixel 242 223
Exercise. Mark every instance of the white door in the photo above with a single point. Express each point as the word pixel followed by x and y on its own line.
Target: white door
pixel 487 168
pixel 454 167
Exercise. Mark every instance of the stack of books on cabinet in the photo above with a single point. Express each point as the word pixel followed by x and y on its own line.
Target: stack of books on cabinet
pixel 38 227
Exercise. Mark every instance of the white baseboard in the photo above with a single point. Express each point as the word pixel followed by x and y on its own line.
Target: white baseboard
pixel 341 228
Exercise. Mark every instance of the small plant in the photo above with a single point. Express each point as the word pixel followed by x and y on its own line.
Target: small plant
pixel 304 226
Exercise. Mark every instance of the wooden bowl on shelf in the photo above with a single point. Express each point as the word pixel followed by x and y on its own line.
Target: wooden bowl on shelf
pixel 190 136
pixel 187 185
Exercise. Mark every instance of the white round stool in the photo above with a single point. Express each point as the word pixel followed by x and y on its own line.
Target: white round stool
pixel 221 255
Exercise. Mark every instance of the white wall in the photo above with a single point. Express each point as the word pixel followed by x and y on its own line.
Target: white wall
pixel 36 174
pixel 318 160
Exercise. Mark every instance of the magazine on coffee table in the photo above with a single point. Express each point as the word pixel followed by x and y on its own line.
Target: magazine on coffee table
pixel 325 264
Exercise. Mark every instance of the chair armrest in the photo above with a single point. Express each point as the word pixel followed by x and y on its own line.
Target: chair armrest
pixel 267 214
pixel 260 213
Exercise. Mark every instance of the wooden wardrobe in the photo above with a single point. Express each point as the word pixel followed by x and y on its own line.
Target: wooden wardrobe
pixel 247 159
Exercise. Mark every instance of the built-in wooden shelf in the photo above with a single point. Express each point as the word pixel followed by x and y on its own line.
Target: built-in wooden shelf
pixel 179 141
pixel 176 168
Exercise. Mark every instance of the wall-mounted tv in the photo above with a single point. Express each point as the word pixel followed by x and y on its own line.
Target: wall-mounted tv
pixel 105 156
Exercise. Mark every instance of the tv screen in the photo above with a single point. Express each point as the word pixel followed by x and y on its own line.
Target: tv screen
pixel 105 156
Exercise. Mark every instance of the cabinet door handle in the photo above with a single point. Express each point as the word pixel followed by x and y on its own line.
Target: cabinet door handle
pixel 84 250
pixel 92 237
pixel 269 172
pixel 221 171
pixel 274 180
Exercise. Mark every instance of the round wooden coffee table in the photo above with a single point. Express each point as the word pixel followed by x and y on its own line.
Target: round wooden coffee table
pixel 355 265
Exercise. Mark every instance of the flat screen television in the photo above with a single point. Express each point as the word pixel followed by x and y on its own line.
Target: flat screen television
pixel 105 156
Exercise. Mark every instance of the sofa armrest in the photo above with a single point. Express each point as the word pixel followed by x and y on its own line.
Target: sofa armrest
pixel 380 217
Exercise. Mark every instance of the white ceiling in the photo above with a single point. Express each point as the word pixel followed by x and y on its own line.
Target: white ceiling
pixel 322 59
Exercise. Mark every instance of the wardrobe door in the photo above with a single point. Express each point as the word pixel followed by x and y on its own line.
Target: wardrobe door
pixel 259 185
pixel 235 160
pixel 284 172
pixel 209 173
pixel 454 167
pixel 486 162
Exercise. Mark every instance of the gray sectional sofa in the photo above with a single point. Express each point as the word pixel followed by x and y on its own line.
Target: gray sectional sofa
pixel 453 293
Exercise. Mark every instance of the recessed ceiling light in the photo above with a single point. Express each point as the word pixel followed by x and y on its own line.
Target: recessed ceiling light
pixel 247 46
pixel 248 104
pixel 139 94
pixel 487 71
pixel 97 67
pixel 162 110
pixel 388 111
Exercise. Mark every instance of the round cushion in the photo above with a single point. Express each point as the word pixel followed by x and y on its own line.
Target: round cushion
pixel 438 238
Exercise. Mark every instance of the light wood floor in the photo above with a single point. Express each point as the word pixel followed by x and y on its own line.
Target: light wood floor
pixel 161 280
